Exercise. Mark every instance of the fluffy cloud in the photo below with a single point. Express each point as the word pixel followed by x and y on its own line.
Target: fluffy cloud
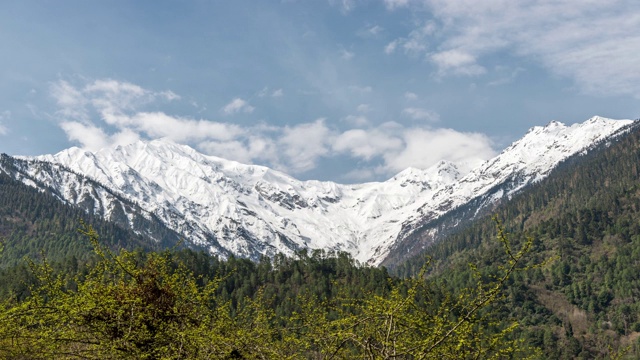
pixel 399 147
pixel 367 144
pixel 424 148
pixel 237 105
pixel 595 43
pixel 71 101
pixel 158 124
pixel 93 138
pixel 106 113
pixel 304 144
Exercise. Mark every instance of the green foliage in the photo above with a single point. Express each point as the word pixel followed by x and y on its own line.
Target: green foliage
pixel 33 222
pixel 121 309
pixel 585 222
pixel 135 305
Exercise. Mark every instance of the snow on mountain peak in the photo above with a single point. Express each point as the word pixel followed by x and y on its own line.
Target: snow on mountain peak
pixel 251 210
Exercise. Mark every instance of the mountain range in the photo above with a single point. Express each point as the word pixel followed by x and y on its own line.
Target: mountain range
pixel 250 211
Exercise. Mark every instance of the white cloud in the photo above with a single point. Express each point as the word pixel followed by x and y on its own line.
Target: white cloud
pixel 367 144
pixel 410 96
pixel 364 108
pixel 391 47
pixel 92 137
pixel 6 115
pixel 263 92
pixel 117 119
pixel 594 43
pixel 159 124
pixel 71 102
pixel 267 92
pixel 346 54
pixel 457 62
pixel 417 41
pixel 424 148
pixel 237 105
pixel 421 114
pixel 371 31
pixel 243 150
pixel 304 144
pixel 399 147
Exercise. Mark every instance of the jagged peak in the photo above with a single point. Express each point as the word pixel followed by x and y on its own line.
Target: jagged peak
pixel 207 197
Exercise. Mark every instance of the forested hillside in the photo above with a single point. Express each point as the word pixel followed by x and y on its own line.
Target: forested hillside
pixel 188 305
pixel 584 220
pixel 33 223
pixel 575 294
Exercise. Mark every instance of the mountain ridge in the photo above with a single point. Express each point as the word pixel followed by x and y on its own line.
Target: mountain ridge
pixel 251 210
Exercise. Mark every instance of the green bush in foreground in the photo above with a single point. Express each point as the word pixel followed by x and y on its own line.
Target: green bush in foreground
pixel 150 306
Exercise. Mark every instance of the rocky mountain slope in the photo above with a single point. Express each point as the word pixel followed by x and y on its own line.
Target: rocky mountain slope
pixel 247 210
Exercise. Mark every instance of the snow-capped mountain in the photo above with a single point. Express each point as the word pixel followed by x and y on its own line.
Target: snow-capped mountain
pixel 248 210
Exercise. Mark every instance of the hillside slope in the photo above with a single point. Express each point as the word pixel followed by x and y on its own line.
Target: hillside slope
pixel 585 221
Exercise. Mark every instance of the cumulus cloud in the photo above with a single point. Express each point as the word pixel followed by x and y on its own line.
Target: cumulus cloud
pixel 94 138
pixel 399 147
pixel 304 144
pixel 237 105
pixel 107 113
pixel 367 144
pixel 594 43
pixel 71 101
pixel 424 148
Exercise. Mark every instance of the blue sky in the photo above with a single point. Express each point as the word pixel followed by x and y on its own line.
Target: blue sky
pixel 342 90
